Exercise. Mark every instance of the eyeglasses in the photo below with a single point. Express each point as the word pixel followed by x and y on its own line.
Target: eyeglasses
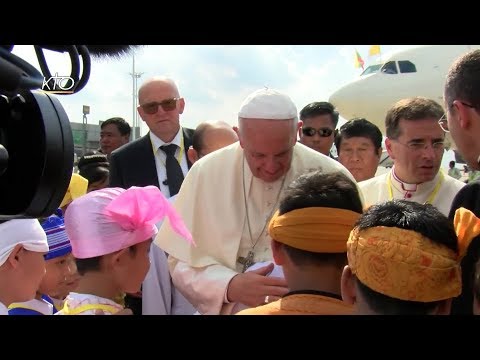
pixel 423 145
pixel 167 105
pixel 443 123
pixel 466 104
pixel 443 120
pixel 322 132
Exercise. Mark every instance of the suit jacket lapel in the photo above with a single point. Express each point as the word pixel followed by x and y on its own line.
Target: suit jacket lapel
pixel 187 141
pixel 149 168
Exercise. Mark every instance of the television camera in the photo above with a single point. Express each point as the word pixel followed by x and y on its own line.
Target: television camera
pixel 36 141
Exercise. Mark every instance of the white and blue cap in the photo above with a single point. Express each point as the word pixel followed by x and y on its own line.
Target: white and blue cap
pixel 57 238
pixel 26 232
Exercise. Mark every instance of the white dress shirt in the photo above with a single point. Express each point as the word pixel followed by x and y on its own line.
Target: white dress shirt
pixel 161 158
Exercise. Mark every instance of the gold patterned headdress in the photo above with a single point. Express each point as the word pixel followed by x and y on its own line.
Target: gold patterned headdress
pixel 405 265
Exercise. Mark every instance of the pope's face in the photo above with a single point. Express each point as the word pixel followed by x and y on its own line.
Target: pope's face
pixel 268 146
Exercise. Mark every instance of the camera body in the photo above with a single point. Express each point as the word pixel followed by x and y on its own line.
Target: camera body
pixel 36 135
pixel 36 141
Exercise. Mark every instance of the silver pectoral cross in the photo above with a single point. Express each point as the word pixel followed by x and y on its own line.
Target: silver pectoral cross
pixel 246 261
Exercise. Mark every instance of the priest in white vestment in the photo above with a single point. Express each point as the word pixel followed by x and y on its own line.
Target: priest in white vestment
pixel 227 200
pixel 415 143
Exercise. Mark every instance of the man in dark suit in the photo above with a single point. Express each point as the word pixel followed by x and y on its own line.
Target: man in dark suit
pixel 462 104
pixel 142 162
pixel 158 158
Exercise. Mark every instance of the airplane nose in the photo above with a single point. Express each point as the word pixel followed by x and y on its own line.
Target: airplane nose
pixel 345 99
pixel 354 100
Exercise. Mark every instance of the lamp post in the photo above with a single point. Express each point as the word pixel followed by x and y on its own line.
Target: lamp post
pixel 86 111
pixel 135 76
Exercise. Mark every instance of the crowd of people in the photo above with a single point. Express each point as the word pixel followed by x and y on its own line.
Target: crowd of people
pixel 261 217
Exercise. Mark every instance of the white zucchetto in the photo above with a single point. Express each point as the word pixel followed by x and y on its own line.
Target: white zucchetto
pixel 268 104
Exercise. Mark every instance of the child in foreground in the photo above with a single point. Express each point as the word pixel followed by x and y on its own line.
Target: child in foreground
pixel 111 231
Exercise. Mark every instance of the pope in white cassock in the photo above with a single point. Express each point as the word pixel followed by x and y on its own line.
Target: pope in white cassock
pixel 415 143
pixel 227 200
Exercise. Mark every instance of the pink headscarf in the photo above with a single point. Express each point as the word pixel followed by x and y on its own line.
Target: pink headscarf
pixel 111 219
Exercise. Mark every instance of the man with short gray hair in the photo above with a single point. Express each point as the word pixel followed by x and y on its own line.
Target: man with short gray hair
pixel 227 200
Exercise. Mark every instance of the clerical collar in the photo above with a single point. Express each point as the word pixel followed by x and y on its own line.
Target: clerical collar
pixel 432 186
pixel 405 186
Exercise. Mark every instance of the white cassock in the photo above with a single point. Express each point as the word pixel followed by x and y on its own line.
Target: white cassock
pixel 159 295
pixel 212 205
pixel 439 192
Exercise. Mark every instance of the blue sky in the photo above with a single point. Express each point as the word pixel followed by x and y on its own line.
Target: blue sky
pixel 213 79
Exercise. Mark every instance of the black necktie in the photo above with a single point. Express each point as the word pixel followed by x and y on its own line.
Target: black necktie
pixel 174 171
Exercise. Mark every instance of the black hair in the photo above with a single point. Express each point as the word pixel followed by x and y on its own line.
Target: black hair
pixel 93 263
pixel 94 166
pixel 319 189
pixel 320 108
pixel 122 126
pixel 359 127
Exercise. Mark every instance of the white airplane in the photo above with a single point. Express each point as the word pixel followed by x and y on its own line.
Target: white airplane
pixel 419 71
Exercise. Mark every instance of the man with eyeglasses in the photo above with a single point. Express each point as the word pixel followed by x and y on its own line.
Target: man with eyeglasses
pixel 462 121
pixel 160 157
pixel 319 120
pixel 147 161
pixel 415 143
pixel 462 101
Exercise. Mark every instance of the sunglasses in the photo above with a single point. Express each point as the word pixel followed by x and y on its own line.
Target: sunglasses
pixel 322 132
pixel 167 105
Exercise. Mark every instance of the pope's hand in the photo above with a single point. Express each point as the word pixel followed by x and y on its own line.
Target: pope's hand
pixel 252 288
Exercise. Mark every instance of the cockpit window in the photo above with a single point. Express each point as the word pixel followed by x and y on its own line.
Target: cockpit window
pixel 406 66
pixel 389 68
pixel 371 69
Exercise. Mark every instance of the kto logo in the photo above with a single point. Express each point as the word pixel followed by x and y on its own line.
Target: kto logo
pixel 58 84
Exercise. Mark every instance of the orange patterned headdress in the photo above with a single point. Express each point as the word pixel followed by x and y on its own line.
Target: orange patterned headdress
pixel 315 229
pixel 405 265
